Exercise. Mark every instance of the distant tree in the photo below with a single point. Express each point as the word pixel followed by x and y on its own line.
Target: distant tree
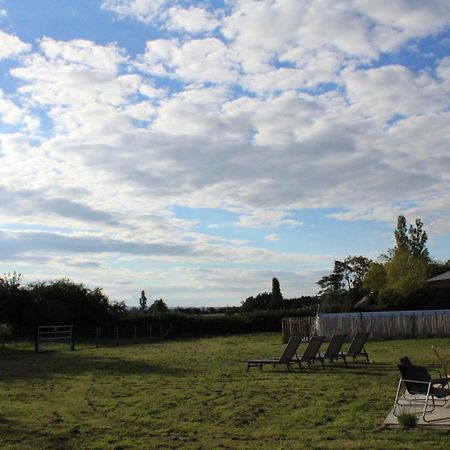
pixel 413 239
pixel 16 306
pixel 63 300
pixel 401 234
pixel 402 272
pixel 417 239
pixel 258 303
pixel 159 306
pixel 143 301
pixel 347 275
pixel 276 299
pixel 376 278
pixel 118 310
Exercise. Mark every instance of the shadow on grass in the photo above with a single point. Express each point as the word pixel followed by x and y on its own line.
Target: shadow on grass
pixel 370 370
pixel 25 364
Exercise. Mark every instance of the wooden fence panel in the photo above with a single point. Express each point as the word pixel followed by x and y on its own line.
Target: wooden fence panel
pixel 379 325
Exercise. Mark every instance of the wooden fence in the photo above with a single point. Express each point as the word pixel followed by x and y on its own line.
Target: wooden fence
pixel 379 325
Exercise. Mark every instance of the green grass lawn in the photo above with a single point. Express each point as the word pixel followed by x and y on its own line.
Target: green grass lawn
pixel 197 394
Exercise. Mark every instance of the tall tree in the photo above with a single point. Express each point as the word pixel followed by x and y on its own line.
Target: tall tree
pixel 417 240
pixel 404 269
pixel 276 300
pixel 143 301
pixel 413 239
pixel 401 234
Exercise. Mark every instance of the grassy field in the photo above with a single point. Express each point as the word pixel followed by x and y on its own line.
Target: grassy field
pixel 196 394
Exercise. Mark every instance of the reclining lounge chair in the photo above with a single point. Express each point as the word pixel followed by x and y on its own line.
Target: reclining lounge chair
pixel 333 351
pixel 311 352
pixel 357 347
pixel 287 357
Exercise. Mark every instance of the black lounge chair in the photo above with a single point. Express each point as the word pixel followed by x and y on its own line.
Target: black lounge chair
pixel 311 352
pixel 357 347
pixel 442 381
pixel 287 357
pixel 419 385
pixel 333 351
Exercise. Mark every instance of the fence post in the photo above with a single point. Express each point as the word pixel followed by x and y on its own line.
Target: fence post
pixel 134 332
pixel 117 334
pixel 36 341
pixel 72 340
pixel 97 336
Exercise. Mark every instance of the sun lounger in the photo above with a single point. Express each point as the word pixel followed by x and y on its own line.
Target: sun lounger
pixel 333 351
pixel 311 353
pixel 287 357
pixel 357 347
pixel 419 385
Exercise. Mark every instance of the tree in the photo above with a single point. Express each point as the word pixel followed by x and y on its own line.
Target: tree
pixel 159 306
pixel 258 303
pixel 402 272
pixel 401 234
pixel 347 275
pixel 143 301
pixel 412 240
pixel 276 299
pixel 376 278
pixel 418 238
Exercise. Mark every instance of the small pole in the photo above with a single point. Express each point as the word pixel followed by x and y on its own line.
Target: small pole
pixel 117 334
pixel 160 328
pixel 36 341
pixel 97 336
pixel 72 340
pixel 150 331
pixel 135 331
pixel 3 343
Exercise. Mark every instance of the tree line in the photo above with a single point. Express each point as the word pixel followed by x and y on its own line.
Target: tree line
pixel 396 280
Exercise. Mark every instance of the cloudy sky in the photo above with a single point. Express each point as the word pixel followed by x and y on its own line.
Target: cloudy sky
pixel 196 149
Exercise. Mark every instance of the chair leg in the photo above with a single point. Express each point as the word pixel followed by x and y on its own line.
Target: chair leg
pixel 426 402
pixel 397 396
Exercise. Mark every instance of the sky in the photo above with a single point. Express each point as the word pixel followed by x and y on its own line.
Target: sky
pixel 197 149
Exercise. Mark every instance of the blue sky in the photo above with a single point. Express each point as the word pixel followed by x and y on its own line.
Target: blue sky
pixel 197 149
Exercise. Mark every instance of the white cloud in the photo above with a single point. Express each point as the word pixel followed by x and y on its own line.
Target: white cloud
pixel 144 10
pixel 11 46
pixel 260 109
pixel 10 113
pixel 197 60
pixel 192 20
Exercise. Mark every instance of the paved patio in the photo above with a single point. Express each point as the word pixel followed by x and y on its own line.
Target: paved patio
pixel 438 418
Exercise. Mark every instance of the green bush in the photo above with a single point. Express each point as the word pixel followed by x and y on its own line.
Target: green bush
pixel 407 420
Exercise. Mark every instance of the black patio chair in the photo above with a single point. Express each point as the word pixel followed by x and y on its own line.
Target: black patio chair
pixel 357 347
pixel 311 352
pixel 288 356
pixel 333 351
pixel 418 383
pixel 442 381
